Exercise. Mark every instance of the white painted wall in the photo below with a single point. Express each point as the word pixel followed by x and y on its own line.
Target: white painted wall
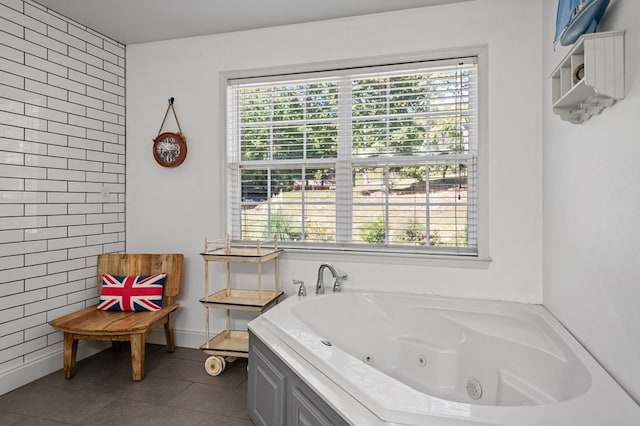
pixel 175 209
pixel 591 206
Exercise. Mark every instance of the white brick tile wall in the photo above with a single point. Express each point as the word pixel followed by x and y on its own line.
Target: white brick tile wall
pixel 84 295
pixel 85 165
pixel 16 351
pixel 10 262
pixel 45 257
pixel 86 144
pixel 22 70
pixel 44 233
pixel 23 45
pixel 66 174
pixel 45 137
pixel 84 251
pixel 63 243
pixel 64 37
pixel 116 109
pixel 11 53
pixel 11 28
pixel 55 313
pixel 11 184
pixel 66 288
pixel 11 288
pixel 45 41
pixel 12 80
pixel 57 151
pixel 23 197
pixel 85 230
pixel 62 116
pixel 115 49
pixel 21 222
pixel 12 158
pixel 45 305
pixel 65 83
pixel 45 65
pixel 66 129
pixel 80 33
pixel 45 161
pixel 84 274
pixel 86 79
pixel 58 197
pixel 38 331
pixel 42 15
pixel 86 122
pixel 22 298
pixel 19 325
pixel 102 136
pixel 85 208
pixel 66 61
pixel 17 94
pixel 45 113
pixel 13 145
pixel 54 342
pixel 88 58
pixel 16 15
pixel 85 100
pixel 11 106
pixel 69 219
pixel 66 266
pixel 45 281
pixel 64 106
pixel 11 313
pixel 102 74
pixel 11 132
pixel 45 185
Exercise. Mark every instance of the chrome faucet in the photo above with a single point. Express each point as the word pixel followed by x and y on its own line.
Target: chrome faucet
pixel 337 277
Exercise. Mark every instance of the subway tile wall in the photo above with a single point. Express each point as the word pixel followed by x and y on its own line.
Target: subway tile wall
pixel 62 172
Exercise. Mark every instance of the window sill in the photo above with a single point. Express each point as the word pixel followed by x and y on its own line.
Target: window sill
pixel 390 258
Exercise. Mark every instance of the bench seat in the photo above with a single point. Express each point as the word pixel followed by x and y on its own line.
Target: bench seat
pixel 93 324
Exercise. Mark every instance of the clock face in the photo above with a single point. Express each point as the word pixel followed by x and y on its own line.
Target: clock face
pixel 169 149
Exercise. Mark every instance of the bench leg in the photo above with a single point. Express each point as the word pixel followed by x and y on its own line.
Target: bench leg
pixel 137 356
pixel 168 334
pixel 69 355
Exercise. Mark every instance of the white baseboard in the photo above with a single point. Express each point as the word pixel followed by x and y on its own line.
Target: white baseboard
pixel 184 338
pixel 50 362
pixel 47 364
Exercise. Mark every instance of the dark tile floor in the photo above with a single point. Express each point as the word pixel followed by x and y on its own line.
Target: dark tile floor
pixel 176 390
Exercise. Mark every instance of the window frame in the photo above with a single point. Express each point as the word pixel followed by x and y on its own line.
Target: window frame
pixel 377 254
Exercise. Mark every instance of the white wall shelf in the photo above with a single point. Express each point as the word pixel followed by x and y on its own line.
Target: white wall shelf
pixel 576 96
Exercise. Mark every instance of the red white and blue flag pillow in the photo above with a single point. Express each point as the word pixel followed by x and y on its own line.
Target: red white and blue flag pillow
pixel 131 293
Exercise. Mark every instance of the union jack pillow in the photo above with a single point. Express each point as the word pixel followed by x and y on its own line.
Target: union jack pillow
pixel 132 293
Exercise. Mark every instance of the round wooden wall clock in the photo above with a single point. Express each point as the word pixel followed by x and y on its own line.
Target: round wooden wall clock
pixel 170 149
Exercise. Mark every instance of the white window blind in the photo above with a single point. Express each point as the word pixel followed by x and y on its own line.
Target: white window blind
pixel 376 158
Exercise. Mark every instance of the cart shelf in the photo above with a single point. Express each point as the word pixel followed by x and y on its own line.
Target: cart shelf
pixel 244 300
pixel 228 343
pixel 241 254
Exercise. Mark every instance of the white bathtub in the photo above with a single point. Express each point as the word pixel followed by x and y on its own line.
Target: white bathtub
pixel 422 360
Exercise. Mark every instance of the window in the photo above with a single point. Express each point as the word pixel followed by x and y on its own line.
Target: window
pixel 373 158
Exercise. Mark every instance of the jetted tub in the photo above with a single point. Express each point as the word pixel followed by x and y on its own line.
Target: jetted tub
pixel 423 360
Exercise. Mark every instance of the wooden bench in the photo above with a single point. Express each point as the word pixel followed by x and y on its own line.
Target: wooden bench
pixel 93 324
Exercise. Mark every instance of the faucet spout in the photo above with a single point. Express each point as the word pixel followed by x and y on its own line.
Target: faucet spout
pixel 337 277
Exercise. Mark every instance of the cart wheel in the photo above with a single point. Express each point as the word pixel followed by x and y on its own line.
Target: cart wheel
pixel 214 365
pixel 231 359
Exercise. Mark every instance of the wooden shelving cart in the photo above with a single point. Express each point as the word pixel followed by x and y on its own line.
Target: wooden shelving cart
pixel 229 344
